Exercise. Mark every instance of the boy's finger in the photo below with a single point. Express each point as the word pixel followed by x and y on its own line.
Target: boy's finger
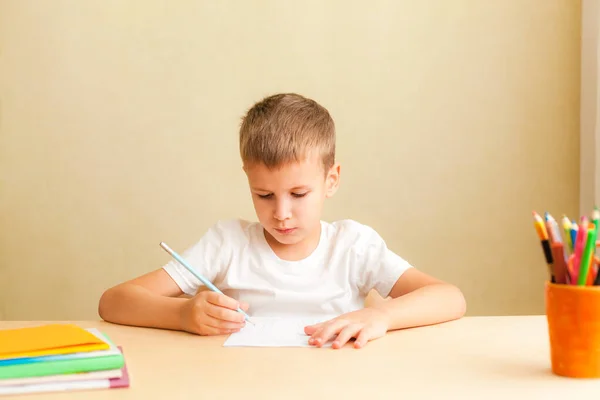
pixel 328 331
pixel 208 330
pixel 219 299
pixel 222 324
pixel 222 313
pixel 244 306
pixel 212 331
pixel 310 329
pixel 348 332
pixel 363 338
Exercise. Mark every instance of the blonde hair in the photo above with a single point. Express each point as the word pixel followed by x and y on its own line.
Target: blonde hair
pixel 287 127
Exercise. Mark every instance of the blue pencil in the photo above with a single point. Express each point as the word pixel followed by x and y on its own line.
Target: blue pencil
pixel 574 229
pixel 202 279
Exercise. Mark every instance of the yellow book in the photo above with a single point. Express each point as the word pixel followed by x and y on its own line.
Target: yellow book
pixel 48 339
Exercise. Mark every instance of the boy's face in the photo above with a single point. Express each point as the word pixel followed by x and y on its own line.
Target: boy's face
pixel 289 199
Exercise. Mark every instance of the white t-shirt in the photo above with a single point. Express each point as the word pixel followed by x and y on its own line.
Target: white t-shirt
pixel 349 261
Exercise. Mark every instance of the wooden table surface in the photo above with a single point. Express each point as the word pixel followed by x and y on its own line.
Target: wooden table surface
pixel 474 357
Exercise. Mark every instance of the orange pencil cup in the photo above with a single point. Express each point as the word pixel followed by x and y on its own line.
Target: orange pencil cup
pixel 573 315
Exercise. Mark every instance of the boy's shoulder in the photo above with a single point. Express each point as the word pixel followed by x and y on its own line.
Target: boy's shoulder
pixel 349 226
pixel 352 233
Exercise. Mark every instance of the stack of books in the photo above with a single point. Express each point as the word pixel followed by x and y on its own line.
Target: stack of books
pixel 59 357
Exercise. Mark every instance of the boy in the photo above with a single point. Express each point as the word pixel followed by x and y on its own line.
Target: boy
pixel 290 262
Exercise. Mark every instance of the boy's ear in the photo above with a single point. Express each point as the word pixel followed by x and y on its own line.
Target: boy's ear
pixel 332 181
pixel 245 169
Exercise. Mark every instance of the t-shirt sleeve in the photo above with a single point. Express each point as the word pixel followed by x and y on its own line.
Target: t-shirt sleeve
pixel 206 257
pixel 380 266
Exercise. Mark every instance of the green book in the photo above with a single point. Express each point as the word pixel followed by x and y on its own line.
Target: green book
pixel 71 366
pixel 64 364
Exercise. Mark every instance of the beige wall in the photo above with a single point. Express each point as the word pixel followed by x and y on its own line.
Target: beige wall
pixel 118 125
pixel 589 107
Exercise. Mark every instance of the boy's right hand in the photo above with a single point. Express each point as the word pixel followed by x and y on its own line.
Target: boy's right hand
pixel 211 313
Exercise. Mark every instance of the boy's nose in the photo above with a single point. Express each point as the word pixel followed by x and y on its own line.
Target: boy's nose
pixel 282 211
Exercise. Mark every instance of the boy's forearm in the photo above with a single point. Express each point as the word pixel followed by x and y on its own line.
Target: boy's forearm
pixel 131 304
pixel 428 305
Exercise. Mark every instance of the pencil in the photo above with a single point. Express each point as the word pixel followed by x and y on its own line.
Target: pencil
pixel 540 228
pixel 588 253
pixel 580 243
pixel 559 265
pixel 596 221
pixel 566 223
pixel 574 232
pixel 597 280
pixel 552 228
pixel 202 279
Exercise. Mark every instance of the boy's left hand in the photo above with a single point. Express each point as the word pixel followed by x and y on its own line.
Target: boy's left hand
pixel 363 325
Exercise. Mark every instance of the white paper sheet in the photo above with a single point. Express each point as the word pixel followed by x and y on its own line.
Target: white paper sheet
pixel 274 332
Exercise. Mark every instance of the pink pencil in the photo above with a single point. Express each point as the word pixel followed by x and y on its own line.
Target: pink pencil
pixel 579 245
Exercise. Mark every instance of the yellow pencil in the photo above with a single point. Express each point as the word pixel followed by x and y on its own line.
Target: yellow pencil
pixel 540 226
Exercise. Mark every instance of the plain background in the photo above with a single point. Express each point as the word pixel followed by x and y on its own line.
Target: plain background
pixel 119 122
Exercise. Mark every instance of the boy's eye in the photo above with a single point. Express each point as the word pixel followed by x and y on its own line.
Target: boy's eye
pixel 268 196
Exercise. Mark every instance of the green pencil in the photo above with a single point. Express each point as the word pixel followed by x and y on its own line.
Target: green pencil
pixel 588 253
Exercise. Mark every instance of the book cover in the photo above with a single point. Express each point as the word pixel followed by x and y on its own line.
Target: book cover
pixel 112 350
pixel 63 386
pixel 46 340
pixel 64 364
pixel 79 376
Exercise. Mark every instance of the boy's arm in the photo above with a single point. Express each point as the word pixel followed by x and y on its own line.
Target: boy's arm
pixel 419 299
pixel 150 300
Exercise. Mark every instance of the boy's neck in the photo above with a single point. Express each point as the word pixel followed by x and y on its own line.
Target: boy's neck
pixel 295 252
